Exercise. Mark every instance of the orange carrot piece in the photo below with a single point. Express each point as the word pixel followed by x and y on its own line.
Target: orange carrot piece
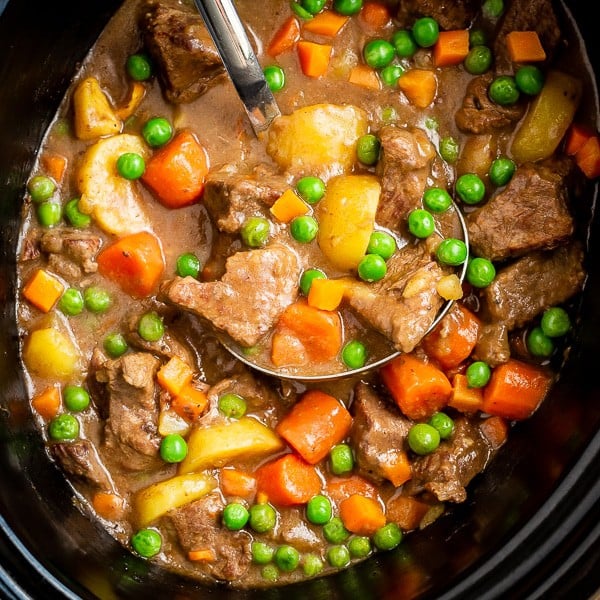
pixel 588 157
pixel 288 480
pixel 314 58
pixel 135 262
pixel 577 136
pixel 524 46
pixel 361 515
pixel 406 512
pixel 454 338
pixel 190 403
pixel 203 555
pixel 174 375
pixel 464 398
pixel 340 488
pixel 327 23
pixel 261 497
pixel 47 404
pixel 285 37
pixel 515 390
pixel 43 290
pixel 287 350
pixel 398 470
pixel 495 430
pixel 365 76
pixel 109 506
pixel 419 388
pixel 327 294
pixel 237 483
pixel 136 95
pixel 316 423
pixel 177 171
pixel 289 206
pixel 375 14
pixel 54 166
pixel 419 87
pixel 451 48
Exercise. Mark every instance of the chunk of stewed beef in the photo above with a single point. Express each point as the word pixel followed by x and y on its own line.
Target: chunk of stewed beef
pixel 530 285
pixel 492 345
pixel 456 14
pixel 232 194
pixel 378 434
pixel 531 213
pixel 479 114
pixel 187 61
pixel 79 458
pixel 257 287
pixel 71 252
pixel 198 527
pixel 449 469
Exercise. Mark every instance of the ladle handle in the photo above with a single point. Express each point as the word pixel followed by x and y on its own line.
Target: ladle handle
pixel 229 36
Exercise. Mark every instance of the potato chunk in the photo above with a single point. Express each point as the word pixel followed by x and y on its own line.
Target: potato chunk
pixel 94 116
pixel 317 140
pixel 110 199
pixel 51 354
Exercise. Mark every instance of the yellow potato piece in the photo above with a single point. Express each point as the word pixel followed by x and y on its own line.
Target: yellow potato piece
pixel 112 200
pixel 346 217
pixel 218 445
pixel 94 116
pixel 158 499
pixel 51 354
pixel 318 139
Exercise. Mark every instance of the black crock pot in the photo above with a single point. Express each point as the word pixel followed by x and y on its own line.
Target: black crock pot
pixel 531 526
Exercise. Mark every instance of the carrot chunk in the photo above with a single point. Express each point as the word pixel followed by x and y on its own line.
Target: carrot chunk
pixel 398 470
pixel 577 136
pixel 495 430
pixel 135 263
pixel 190 403
pixel 588 157
pixel 237 483
pixel 289 206
pixel 109 506
pixel 340 488
pixel 54 166
pixel 419 388
pixel 177 171
pixel 43 290
pixel 316 423
pixel 524 46
pixel 419 86
pixel 361 515
pixel 451 48
pixel 326 23
pixel 406 512
pixel 327 294
pixel 288 480
pixel 285 37
pixel 314 58
pixel 174 375
pixel 47 403
pixel 515 390
pixel 375 14
pixel 464 398
pixel 364 76
pixel 203 555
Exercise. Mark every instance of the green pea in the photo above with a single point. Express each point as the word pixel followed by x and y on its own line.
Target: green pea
pixel 382 243
pixel 503 90
pixel 493 8
pixel 426 32
pixel 270 572
pixel 262 553
pixel 391 74
pixel 387 537
pixel 478 60
pixel 311 189
pixel 157 131
pixel 41 188
pixel 421 223
pixel 139 67
pixel 313 6
pixel 480 272
pixel 96 299
pixel 354 354
pixel 452 252
pixel 501 171
pixel 308 277
pixel 367 149
pixel 304 229
pixel 347 7
pixel 275 77
pixel 555 322
pixel 312 565
pixel 359 546
pixel 335 532
pixel 449 149
pixel 232 406
pixel 404 43
pixel 131 165
pixel 423 438
pixel 372 268
pixel 115 345
pixel 478 374
pixel 300 11
pixel 338 556
pixel 539 344
pixel 318 510
pixel 173 448
pixel 470 188
pixel 49 213
pixel 151 327
pixel 255 232
pixel 432 123
pixel 378 53
pixel 287 558
pixel 63 428
pixel 188 265
pixel 263 517
pixel 76 398
pixel 437 200
pixel 389 114
pixel 443 423
pixel 341 459
pixel 71 302
pixel 477 37
pixel 74 216
pixel 235 516
pixel 529 80
pixel 146 542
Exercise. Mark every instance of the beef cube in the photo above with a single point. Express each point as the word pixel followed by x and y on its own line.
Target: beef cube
pixel 198 526
pixel 378 434
pixel 479 114
pixel 457 14
pixel 247 302
pixel 404 167
pixel 231 196
pixel 293 529
pixel 177 40
pixel 447 471
pixel 492 345
pixel 79 458
pixel 526 288
pixel 71 252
